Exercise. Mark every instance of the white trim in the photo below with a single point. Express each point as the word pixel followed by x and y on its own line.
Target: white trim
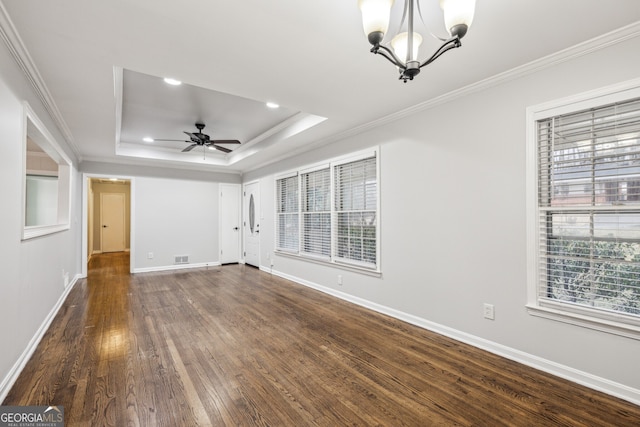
pixel 586 320
pixel 43 230
pixel 284 175
pixel 85 220
pixel 65 182
pixel 583 317
pixel 176 267
pixel 594 98
pixel 18 366
pixel 314 168
pixel 586 379
pixel 9 34
pixel 324 261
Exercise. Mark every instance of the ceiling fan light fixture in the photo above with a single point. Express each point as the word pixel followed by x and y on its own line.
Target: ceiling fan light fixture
pixel 172 82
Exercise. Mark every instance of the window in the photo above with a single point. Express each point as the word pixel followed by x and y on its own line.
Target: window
pixel 47 180
pixel 586 229
pixel 356 190
pixel 334 216
pixel 316 212
pixel 287 214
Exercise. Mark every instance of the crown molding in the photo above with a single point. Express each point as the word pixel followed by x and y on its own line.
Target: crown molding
pixel 9 34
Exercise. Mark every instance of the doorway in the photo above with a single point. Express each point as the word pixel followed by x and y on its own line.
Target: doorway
pixel 107 218
pixel 229 223
pixel 251 224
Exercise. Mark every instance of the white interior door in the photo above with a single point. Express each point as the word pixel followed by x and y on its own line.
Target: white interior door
pixel 112 211
pixel 251 224
pixel 229 223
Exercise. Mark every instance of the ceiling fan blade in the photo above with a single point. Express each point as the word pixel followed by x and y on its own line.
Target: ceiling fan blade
pixel 226 141
pixel 223 149
pixel 189 148
pixel 193 136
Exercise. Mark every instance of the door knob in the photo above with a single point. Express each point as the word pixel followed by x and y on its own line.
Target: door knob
pixel 235 228
pixel 104 226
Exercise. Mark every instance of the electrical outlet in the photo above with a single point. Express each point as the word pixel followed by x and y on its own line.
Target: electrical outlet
pixel 489 311
pixel 150 255
pixel 340 279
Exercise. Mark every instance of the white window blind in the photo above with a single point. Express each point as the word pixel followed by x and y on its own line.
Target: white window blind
pixel 316 212
pixel 329 211
pixel 287 226
pixel 589 210
pixel 356 192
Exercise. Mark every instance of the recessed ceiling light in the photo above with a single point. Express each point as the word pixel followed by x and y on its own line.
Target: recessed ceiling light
pixel 173 82
pixel 147 139
pixel 272 105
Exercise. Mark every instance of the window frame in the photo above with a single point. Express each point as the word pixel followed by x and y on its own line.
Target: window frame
pixel 279 214
pixel 332 259
pixel 610 322
pixel 304 213
pixel 49 145
pixel 352 211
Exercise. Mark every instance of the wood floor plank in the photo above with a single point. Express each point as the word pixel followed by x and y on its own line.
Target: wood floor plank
pixel 235 346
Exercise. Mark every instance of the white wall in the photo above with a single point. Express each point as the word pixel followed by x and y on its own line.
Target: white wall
pixel 31 284
pixel 175 217
pixel 453 223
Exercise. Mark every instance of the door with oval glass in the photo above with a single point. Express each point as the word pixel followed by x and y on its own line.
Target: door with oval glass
pixel 251 224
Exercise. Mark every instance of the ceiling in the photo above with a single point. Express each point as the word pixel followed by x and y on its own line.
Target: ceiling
pixel 101 64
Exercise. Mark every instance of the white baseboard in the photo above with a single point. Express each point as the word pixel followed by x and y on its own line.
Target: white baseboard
pixel 176 267
pixel 584 378
pixel 17 367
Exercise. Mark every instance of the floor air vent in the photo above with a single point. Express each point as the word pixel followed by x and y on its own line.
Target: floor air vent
pixel 181 259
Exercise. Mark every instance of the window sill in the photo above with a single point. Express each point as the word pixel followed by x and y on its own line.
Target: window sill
pixel 42 230
pixel 583 319
pixel 326 262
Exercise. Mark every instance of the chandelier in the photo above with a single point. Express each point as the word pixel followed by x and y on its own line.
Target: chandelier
pixel 403 52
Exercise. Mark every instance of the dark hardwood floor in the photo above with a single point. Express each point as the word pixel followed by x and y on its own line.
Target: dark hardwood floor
pixel 235 346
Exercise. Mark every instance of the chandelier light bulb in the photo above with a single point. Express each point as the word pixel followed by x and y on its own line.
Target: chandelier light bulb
pixel 458 13
pixel 375 18
pixel 400 45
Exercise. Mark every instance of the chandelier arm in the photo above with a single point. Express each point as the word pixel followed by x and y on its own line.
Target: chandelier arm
pixel 449 44
pixel 404 15
pixel 389 55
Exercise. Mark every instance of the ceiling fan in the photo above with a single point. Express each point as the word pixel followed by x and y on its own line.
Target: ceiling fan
pixel 202 139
